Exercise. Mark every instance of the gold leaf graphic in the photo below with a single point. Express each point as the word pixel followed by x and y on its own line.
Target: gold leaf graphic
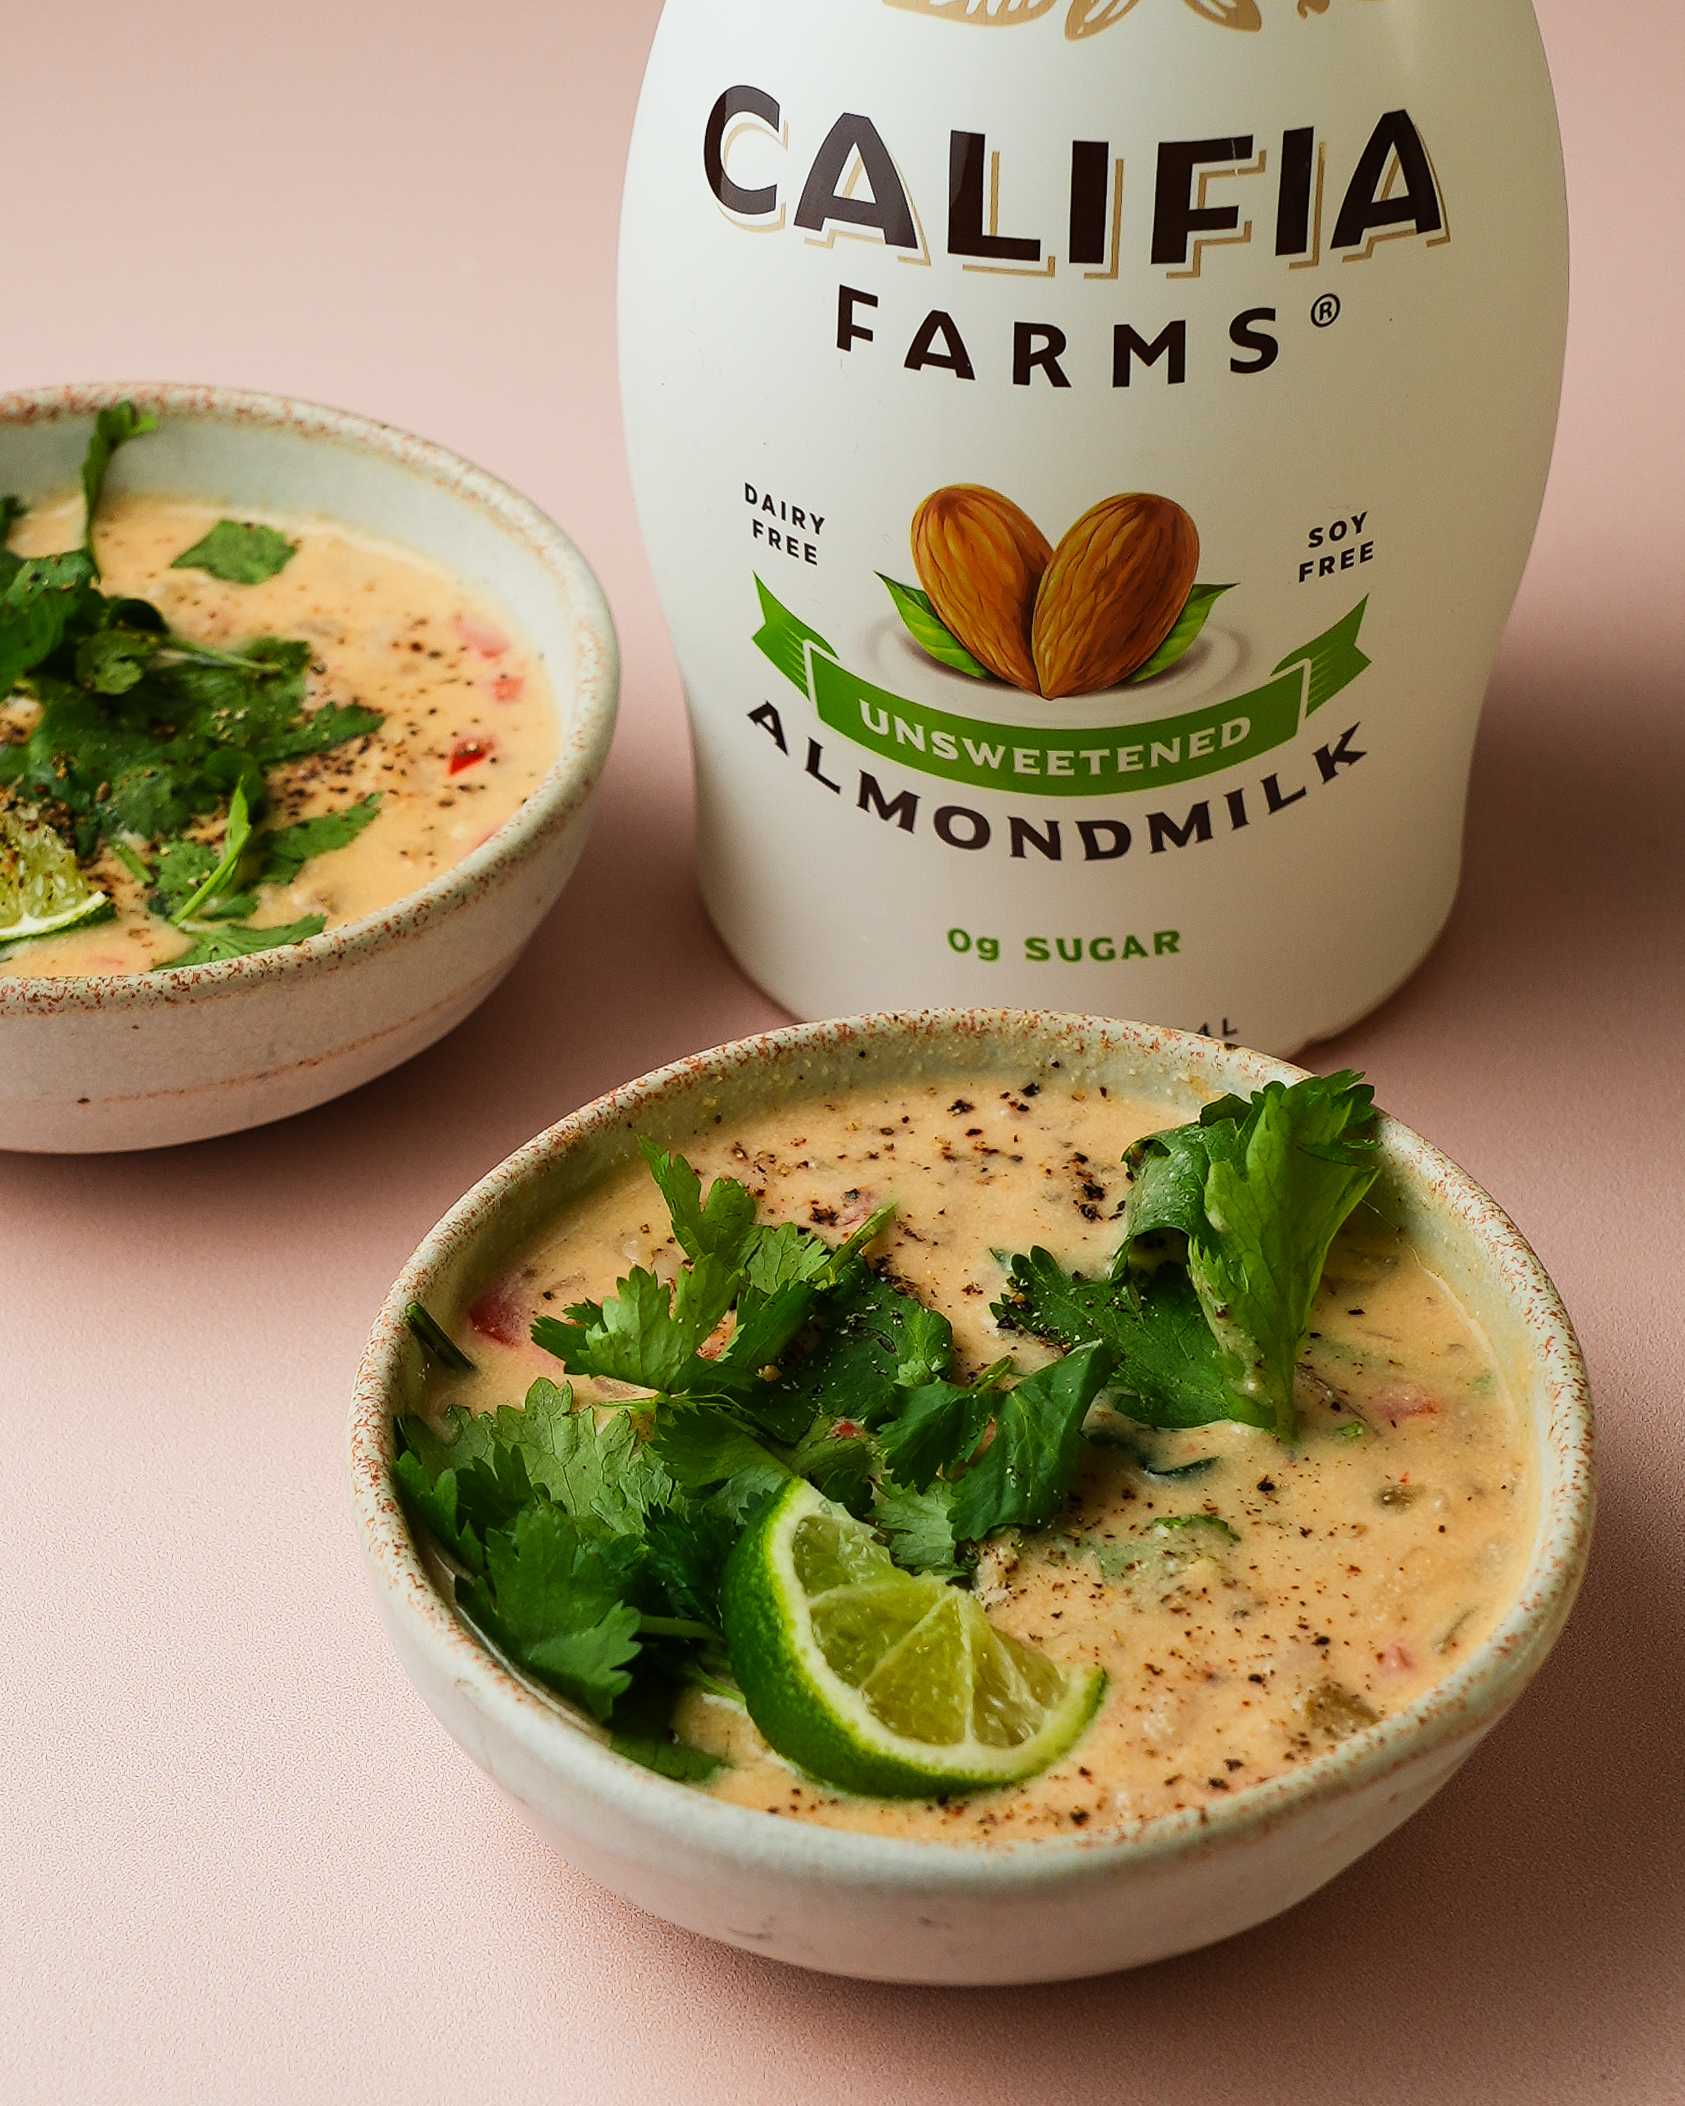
pixel 984 12
pixel 1231 14
pixel 1088 17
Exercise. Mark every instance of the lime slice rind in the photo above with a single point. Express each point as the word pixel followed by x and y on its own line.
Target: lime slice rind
pixel 937 1701
pixel 43 891
pixel 24 930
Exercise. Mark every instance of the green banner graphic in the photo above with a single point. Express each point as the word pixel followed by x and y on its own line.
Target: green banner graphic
pixel 1062 763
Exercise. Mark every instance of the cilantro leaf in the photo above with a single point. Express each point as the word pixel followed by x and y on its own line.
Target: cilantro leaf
pixel 744 1494
pixel 274 857
pixel 996 1457
pixel 215 945
pixel 141 733
pixel 686 1550
pixel 579 1551
pixel 707 1448
pixel 593 1547
pixel 927 1346
pixel 437 1502
pixel 554 1598
pixel 170 748
pixel 114 659
pixel 138 773
pixel 784 1256
pixel 597 1470
pixel 183 867
pixel 452 1482
pixel 319 730
pixel 646 1333
pixel 873 1331
pixel 257 699
pixel 468 1437
pixel 1024 1476
pixel 132 616
pixel 600 1472
pixel 44 597
pixel 919 1528
pixel 284 850
pixel 1281 1187
pixel 704 1448
pixel 548 1588
pixel 239 552
pixel 1170 1372
pixel 723 1226
pixel 584 1660
pixel 937 1428
pixel 1167 1180
pixel 790 1277
pixel 115 426
pixel 668 1756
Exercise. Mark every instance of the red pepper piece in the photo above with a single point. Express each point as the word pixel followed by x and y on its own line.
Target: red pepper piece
pixel 468 753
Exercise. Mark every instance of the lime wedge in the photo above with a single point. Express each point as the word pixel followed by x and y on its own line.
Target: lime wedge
pixel 42 888
pixel 878 1681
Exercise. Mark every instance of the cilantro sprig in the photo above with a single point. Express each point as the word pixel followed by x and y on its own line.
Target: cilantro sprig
pixel 142 739
pixel 772 1354
pixel 576 1552
pixel 114 426
pixel 772 1281
pixel 1226 1234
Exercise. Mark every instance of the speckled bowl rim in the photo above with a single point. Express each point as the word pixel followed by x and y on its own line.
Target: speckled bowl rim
pixel 1466 1702
pixel 587 726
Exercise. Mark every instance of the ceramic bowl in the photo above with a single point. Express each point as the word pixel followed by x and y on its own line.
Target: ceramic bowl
pixel 139 1060
pixel 939 1912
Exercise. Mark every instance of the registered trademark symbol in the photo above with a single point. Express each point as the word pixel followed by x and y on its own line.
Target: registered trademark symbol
pixel 1326 312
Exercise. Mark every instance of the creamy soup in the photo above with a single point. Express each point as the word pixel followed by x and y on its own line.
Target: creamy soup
pixel 1325 1587
pixel 470 723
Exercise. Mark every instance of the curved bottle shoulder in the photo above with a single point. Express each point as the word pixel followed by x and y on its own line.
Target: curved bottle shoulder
pixel 1151 53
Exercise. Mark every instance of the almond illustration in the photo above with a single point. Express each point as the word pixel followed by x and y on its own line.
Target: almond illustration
pixel 981 559
pixel 1113 592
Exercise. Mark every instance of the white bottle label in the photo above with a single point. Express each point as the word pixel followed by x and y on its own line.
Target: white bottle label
pixel 1088 450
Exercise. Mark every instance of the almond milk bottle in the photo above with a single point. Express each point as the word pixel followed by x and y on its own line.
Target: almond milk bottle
pixel 1088 450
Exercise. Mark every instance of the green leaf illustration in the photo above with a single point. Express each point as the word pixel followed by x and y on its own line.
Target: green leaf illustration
pixel 930 633
pixel 1186 632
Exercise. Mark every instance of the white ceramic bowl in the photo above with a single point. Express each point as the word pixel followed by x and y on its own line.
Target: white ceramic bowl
pixel 940 1912
pixel 137 1060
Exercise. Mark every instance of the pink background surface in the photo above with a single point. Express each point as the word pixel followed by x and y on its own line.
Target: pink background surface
pixel 241 1862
